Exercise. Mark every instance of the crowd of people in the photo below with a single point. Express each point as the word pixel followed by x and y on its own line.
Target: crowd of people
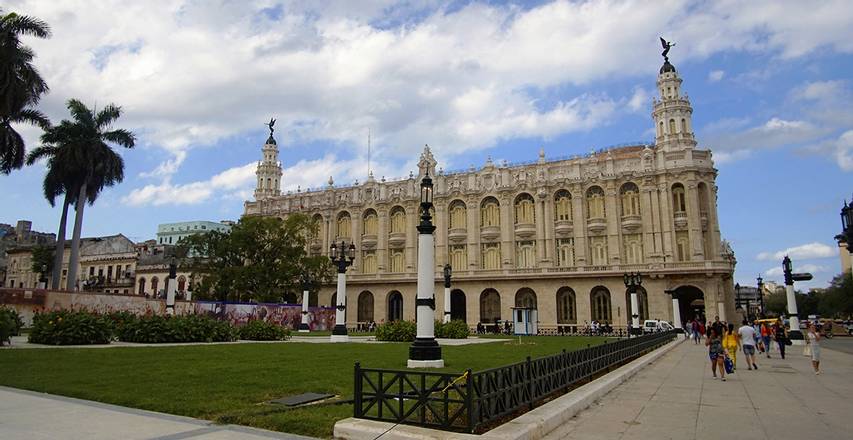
pixel 755 338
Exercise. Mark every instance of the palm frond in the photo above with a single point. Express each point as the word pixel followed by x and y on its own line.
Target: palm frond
pixel 107 115
pixel 33 117
pixel 121 137
pixel 26 25
pixel 44 151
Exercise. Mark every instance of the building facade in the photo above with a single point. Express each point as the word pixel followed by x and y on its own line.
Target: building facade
pixel 172 233
pixel 556 235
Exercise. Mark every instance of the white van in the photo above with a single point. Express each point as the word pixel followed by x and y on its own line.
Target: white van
pixel 654 326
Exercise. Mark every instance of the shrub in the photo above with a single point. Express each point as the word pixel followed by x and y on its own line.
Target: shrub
pixel 260 330
pixel 397 331
pixel 68 327
pixel 155 329
pixel 10 324
pixel 452 330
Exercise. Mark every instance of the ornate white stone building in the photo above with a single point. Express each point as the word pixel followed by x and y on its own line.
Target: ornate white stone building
pixel 557 235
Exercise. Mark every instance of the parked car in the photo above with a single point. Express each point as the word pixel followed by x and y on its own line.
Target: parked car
pixel 654 326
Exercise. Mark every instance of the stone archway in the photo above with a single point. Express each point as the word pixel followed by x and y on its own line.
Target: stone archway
pixel 395 306
pixel 365 306
pixel 691 302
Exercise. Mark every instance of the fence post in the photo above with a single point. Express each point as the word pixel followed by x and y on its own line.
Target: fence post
pixel 469 400
pixel 530 382
pixel 356 386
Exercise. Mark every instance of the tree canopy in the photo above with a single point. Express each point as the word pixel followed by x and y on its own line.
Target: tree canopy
pixel 261 259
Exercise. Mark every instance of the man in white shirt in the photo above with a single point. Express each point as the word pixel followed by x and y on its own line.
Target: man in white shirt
pixel 747 341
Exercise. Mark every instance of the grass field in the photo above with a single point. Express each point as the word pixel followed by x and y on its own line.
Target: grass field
pixel 230 383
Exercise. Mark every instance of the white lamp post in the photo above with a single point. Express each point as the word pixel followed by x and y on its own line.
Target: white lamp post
pixel 306 288
pixel 632 282
pixel 448 271
pixel 425 351
pixel 343 258
pixel 173 286
pixel 794 332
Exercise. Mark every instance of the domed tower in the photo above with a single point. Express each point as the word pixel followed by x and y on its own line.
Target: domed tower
pixel 672 113
pixel 269 169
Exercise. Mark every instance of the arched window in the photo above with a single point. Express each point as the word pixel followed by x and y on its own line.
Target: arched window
pixel 600 304
pixel 490 306
pixel 630 195
pixel 525 209
pixel 566 310
pixel 525 297
pixel 679 203
pixel 598 250
pixel 491 255
pixel 142 286
pixel 661 129
pixel 682 245
pixel 684 125
pixel 633 247
pixel 525 254
pixel 368 262
pixel 458 214
pixel 154 285
pixel 395 306
pixel 365 306
pixel 182 283
pixel 490 214
pixel 398 220
pixel 459 257
pixel 562 206
pixel 595 202
pixel 344 225
pixel 397 261
pixel 371 222
pixel 672 126
pixel 565 252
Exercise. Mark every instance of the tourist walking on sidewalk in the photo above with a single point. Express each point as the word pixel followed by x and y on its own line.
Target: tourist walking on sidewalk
pixel 730 343
pixel 780 333
pixel 747 341
pixel 813 339
pixel 765 338
pixel 695 329
pixel 714 341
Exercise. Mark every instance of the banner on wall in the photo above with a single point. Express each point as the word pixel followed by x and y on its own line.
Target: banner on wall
pixel 285 315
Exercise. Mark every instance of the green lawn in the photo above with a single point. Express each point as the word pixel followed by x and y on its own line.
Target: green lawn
pixel 229 383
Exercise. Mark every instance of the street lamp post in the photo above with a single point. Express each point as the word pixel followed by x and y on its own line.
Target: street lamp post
pixel 343 258
pixel 794 331
pixel 760 297
pixel 307 284
pixel 448 271
pixel 632 282
pixel 170 290
pixel 847 229
pixel 425 351
pixel 738 302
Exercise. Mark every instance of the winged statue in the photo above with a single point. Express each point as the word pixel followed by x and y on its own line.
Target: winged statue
pixel 666 46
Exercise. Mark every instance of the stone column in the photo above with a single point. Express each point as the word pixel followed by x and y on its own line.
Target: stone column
pixel 611 215
pixel 550 240
pixel 650 248
pixel 411 223
pixel 382 240
pixel 441 226
pixel 472 225
pixel 507 233
pixel 694 224
pixel 676 314
pixel 579 229
pixel 540 221
pixel 666 221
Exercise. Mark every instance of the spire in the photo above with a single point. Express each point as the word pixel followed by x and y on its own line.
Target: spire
pixel 672 114
pixel 269 168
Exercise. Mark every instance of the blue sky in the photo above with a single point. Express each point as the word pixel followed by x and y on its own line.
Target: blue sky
pixel 769 83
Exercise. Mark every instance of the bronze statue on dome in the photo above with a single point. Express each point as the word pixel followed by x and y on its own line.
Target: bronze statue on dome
pixel 666 46
pixel 270 124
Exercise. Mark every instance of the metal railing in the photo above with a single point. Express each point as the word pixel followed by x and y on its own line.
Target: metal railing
pixel 471 401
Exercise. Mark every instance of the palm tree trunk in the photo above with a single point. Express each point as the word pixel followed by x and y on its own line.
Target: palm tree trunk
pixel 60 246
pixel 75 240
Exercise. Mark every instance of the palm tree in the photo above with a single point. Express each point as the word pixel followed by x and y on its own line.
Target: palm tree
pixel 21 86
pixel 80 165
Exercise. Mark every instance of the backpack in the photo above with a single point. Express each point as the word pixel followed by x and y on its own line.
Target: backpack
pixel 730 366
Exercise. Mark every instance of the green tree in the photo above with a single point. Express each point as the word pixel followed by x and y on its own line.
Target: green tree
pixel 261 259
pixel 42 260
pixel 776 303
pixel 21 86
pixel 81 163
pixel 837 300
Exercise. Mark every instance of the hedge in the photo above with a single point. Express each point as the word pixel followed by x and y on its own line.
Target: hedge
pixel 68 327
pixel 397 331
pixel 260 330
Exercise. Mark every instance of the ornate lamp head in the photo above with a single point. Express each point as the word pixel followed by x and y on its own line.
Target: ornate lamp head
pixel 426 190
pixel 350 252
pixel 333 252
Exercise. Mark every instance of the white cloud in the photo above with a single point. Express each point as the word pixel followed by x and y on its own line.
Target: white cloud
pixel 804 251
pixel 640 100
pixel 226 183
pixel 716 75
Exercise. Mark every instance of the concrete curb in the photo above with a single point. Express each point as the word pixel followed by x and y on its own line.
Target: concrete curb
pixel 529 426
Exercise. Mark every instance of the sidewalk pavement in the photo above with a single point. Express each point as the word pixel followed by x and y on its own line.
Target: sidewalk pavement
pixel 676 398
pixel 36 416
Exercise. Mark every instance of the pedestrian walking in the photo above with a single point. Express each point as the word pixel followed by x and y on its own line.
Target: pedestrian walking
pixel 714 341
pixel 765 338
pixel 813 339
pixel 747 341
pixel 695 329
pixel 731 343
pixel 780 334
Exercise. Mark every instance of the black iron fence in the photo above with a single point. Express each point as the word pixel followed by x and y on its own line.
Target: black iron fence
pixel 469 401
